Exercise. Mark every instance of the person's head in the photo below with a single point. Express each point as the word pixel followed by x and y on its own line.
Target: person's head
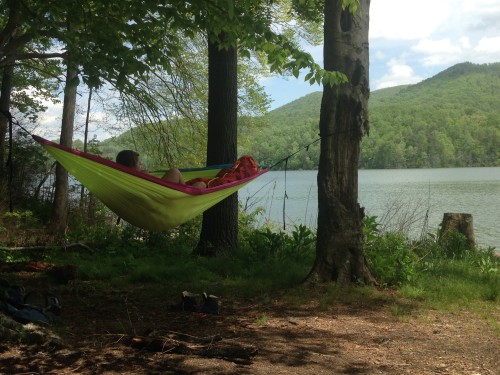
pixel 129 158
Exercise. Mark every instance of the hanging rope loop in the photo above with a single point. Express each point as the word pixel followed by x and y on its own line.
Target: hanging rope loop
pixel 286 158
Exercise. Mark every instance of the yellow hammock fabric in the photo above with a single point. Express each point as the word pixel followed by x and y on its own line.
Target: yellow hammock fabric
pixel 142 199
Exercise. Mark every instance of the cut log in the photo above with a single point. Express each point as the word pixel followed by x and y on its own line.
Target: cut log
pixel 60 273
pixel 462 223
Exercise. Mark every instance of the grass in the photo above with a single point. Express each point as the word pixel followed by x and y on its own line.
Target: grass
pixel 454 284
pixel 121 262
pixel 270 265
pixel 262 320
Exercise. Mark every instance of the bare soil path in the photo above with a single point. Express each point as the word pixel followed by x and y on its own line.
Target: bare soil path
pixel 249 338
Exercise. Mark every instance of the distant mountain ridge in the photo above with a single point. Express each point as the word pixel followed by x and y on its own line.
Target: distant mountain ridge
pixel 449 120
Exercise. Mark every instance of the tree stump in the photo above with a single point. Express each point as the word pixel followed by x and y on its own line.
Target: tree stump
pixel 462 223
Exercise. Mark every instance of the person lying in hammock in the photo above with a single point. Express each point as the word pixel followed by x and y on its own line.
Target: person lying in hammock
pixel 244 167
pixel 130 158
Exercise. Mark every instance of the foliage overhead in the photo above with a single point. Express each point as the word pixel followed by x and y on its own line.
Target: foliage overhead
pixel 139 47
pixel 122 41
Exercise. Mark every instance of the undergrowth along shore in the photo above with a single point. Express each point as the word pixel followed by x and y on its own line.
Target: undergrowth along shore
pixel 443 274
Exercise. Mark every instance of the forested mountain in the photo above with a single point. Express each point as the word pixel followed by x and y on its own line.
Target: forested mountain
pixel 449 120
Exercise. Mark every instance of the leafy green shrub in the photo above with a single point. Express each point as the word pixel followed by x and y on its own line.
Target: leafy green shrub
pixel 370 229
pixel 267 243
pixel 391 259
pixel 389 256
pixel 41 210
pixel 20 218
pixel 454 245
pixel 484 261
pixel 299 246
pixel 427 247
pixel 302 243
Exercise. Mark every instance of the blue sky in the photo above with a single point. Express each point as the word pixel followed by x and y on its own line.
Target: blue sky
pixel 411 40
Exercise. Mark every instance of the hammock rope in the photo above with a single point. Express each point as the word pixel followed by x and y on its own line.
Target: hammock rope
pixel 286 158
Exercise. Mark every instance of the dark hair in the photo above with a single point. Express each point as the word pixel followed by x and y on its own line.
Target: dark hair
pixel 128 158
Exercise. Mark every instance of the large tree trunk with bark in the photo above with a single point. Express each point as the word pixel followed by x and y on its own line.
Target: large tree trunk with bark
pixel 219 232
pixel 343 122
pixel 60 204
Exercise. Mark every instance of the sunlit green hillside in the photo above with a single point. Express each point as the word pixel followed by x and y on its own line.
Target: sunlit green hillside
pixel 449 120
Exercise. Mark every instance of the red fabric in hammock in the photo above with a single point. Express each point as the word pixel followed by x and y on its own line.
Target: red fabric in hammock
pixel 245 166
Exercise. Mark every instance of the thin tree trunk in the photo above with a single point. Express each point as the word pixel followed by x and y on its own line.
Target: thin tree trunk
pixel 219 232
pixel 5 92
pixel 60 205
pixel 48 173
pixel 343 122
pixel 85 146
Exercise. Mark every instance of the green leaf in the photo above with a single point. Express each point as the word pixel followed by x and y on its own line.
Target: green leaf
pixel 245 53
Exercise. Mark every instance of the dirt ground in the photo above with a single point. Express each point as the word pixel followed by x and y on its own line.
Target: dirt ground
pixel 137 332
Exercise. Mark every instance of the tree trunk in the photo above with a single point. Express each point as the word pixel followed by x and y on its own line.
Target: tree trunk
pixel 60 204
pixel 85 146
pixel 219 231
pixel 5 93
pixel 343 122
pixel 462 223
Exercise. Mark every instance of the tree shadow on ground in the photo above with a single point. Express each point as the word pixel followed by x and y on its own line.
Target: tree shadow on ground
pixel 360 337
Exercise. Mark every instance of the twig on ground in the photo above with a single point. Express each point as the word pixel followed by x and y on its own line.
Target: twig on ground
pixel 48 247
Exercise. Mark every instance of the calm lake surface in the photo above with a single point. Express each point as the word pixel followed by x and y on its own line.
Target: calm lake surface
pixel 413 200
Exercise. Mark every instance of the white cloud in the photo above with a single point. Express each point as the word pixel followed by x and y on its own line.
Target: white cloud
pixel 100 121
pixel 398 74
pixel 52 114
pixel 412 40
pixel 379 55
pixel 439 52
pixel 407 20
pixel 49 122
pixel 446 52
pixel 464 42
pixel 436 46
pixel 488 45
pixel 479 6
pixel 413 20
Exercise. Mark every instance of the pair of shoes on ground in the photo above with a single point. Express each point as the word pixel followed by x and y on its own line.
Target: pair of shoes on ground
pixel 205 303
pixel 30 307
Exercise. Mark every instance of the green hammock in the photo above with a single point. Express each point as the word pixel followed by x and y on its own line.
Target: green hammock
pixel 142 199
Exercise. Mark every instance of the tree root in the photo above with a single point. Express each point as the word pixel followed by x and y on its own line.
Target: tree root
pixel 48 247
pixel 211 347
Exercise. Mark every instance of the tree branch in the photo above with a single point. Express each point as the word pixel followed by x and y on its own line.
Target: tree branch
pixel 48 247
pixel 8 60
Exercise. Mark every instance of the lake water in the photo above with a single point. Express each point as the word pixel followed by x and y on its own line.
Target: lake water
pixel 413 200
